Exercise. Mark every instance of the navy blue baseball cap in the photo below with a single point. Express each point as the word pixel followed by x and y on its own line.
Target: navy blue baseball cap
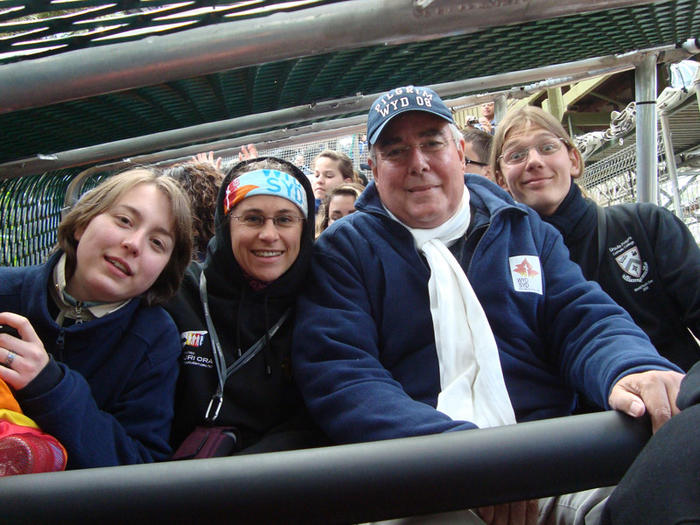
pixel 400 100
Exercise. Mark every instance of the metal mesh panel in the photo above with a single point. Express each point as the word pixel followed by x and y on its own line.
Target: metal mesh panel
pixel 30 210
pixel 30 207
pixel 353 146
pixel 613 181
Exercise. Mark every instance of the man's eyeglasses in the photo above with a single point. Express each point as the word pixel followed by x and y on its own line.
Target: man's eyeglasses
pixel 518 155
pixel 401 154
pixel 475 162
pixel 257 221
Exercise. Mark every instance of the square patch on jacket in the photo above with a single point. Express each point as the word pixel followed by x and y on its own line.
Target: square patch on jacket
pixel 526 272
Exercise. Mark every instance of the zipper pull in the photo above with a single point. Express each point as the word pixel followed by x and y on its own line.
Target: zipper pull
pixel 79 312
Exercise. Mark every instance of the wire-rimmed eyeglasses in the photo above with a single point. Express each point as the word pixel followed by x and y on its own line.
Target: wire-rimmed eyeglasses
pixel 519 154
pixel 257 221
pixel 475 162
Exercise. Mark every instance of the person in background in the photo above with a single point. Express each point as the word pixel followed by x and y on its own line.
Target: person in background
pixel 642 255
pixel 339 203
pixel 201 181
pixel 301 164
pixel 330 169
pixel 487 121
pixel 94 363
pixel 248 152
pixel 472 122
pixel 362 145
pixel 477 146
pixel 441 305
pixel 235 313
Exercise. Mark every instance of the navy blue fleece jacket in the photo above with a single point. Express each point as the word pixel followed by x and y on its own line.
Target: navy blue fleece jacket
pixel 364 348
pixel 107 393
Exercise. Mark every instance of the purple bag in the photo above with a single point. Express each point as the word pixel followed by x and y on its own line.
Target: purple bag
pixel 207 442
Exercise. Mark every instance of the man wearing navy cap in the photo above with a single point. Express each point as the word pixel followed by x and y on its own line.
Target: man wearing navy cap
pixel 443 305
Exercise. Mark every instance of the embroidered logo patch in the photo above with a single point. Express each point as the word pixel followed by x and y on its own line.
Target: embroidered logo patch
pixel 194 352
pixel 194 338
pixel 526 272
pixel 631 263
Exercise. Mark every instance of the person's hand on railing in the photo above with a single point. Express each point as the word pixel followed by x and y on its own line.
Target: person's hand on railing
pixel 653 391
pixel 248 152
pixel 514 513
pixel 208 157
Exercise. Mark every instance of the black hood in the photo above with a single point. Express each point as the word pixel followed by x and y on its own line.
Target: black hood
pixel 260 394
pixel 220 266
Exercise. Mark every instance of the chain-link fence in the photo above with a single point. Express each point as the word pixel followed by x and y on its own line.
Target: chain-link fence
pixel 303 155
pixel 30 207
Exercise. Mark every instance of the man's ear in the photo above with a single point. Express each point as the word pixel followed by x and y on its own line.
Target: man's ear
pixel 373 167
pixel 461 151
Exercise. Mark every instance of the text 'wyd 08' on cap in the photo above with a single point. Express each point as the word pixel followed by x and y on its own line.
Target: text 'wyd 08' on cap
pixel 400 100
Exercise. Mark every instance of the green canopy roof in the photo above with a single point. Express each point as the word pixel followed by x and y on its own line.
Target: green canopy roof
pixel 329 70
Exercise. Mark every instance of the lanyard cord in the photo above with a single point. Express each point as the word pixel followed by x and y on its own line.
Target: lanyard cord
pixel 222 372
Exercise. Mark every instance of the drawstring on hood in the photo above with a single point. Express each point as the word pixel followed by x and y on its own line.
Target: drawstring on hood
pixel 258 307
pixel 239 344
pixel 267 350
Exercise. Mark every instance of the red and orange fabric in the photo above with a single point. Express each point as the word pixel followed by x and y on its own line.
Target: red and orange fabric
pixel 24 448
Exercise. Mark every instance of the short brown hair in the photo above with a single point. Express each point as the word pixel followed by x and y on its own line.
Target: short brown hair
pixel 480 141
pixel 105 195
pixel 344 163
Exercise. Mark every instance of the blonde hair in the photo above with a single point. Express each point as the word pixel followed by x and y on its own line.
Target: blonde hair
pixel 519 119
pixel 102 198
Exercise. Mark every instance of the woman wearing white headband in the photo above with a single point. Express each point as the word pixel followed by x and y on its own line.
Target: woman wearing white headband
pixel 235 315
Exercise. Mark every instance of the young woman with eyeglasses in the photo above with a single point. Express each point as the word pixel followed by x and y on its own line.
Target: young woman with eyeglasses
pixel 642 255
pixel 235 314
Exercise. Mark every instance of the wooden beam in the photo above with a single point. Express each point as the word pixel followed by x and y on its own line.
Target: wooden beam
pixel 525 101
pixel 588 120
pixel 554 103
pixel 583 88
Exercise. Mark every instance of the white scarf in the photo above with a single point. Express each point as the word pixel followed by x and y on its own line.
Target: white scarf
pixel 473 388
